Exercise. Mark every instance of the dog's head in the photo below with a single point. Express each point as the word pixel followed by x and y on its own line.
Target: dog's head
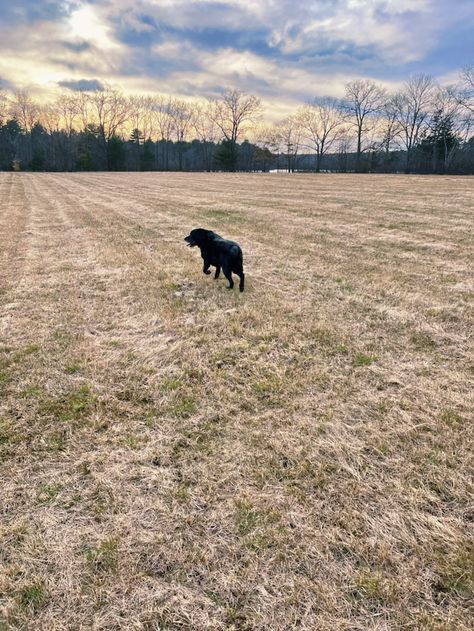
pixel 198 237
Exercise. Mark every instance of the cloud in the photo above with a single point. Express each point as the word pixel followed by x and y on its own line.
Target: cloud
pixel 77 47
pixel 283 52
pixel 86 85
pixel 6 85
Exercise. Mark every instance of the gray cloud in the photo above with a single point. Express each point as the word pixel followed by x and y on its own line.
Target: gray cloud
pixel 86 85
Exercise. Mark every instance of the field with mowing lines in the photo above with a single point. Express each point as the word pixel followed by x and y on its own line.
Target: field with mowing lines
pixel 178 456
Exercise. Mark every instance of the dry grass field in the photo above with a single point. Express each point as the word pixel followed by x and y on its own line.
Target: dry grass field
pixel 177 456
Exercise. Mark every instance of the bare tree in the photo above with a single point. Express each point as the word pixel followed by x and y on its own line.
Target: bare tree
pixel 389 125
pixel 289 134
pixel 136 112
pixel 232 111
pixel 322 124
pixel 164 124
pixel 111 111
pixel 49 116
pixel 68 109
pixel 4 107
pixel 205 129
pixel 413 106
pixel 364 99
pixel 83 105
pixel 24 109
pixel 181 115
pixel 466 92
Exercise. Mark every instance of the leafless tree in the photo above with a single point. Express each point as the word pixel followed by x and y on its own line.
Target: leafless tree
pixel 289 134
pixel 265 136
pixel 181 115
pixel 136 112
pixel 162 115
pixel 111 111
pixel 364 100
pixel 164 124
pixel 49 116
pixel 83 106
pixel 25 109
pixel 322 124
pixel 68 109
pixel 413 106
pixel 389 125
pixel 466 92
pixel 232 111
pixel 205 130
pixel 4 107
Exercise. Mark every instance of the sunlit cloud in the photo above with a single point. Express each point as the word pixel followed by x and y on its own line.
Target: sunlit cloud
pixel 84 24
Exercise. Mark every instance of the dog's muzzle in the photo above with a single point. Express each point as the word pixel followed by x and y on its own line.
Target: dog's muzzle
pixel 190 242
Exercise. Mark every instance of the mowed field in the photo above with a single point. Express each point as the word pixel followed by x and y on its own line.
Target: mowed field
pixel 177 456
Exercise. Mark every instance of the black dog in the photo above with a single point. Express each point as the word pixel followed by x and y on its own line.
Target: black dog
pixel 218 252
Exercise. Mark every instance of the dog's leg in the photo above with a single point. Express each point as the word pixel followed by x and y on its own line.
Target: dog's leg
pixel 242 278
pixel 218 271
pixel 206 267
pixel 228 274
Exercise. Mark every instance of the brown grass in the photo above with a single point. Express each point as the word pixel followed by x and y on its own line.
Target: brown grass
pixel 178 456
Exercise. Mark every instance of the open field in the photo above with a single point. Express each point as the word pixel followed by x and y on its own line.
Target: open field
pixel 178 456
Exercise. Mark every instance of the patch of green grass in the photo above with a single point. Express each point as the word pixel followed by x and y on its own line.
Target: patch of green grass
pixel 5 379
pixel 456 571
pixel 181 493
pixel 450 417
pixel 102 499
pixel 328 341
pixel 245 517
pixel 113 343
pixel 48 493
pixel 136 395
pixel 373 585
pixel 31 392
pixel 267 383
pixel 221 214
pixel 361 359
pixel 32 597
pixel 183 408
pixel 69 407
pixel 104 557
pixel 133 441
pixel 260 541
pixel 171 383
pixel 6 432
pixel 73 369
pixel 30 349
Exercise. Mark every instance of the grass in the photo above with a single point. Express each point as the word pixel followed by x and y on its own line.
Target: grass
pixel 178 456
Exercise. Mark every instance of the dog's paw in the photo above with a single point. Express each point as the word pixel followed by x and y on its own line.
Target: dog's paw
pixel 207 272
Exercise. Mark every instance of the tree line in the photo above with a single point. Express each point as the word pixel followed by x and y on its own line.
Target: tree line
pixel 423 127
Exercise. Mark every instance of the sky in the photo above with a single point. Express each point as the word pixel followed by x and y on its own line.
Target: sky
pixel 285 51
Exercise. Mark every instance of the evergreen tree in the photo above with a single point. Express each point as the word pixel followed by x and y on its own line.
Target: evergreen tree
pixel 227 155
pixel 116 154
pixel 441 142
pixel 10 132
